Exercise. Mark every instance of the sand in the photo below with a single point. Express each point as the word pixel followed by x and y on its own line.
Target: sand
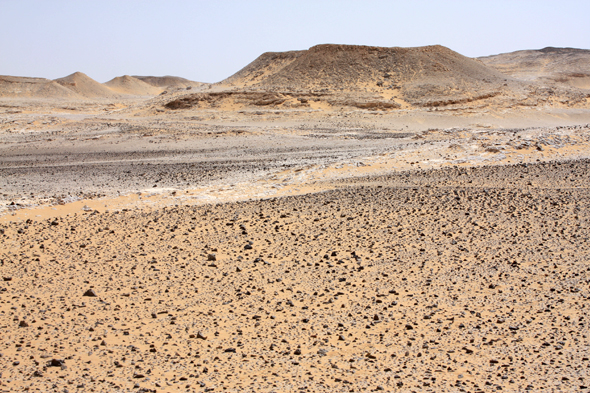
pixel 169 82
pixel 132 86
pixel 424 281
pixel 85 86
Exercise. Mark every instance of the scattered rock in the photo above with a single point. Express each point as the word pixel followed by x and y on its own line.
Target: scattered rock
pixel 90 293
pixel 56 363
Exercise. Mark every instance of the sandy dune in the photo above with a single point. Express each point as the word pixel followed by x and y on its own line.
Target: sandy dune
pixel 168 81
pixel 85 86
pixel 132 86
pixel 80 87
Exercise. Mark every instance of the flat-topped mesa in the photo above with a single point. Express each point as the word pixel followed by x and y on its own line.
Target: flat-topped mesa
pixel 365 77
pixel 369 77
pixel 353 67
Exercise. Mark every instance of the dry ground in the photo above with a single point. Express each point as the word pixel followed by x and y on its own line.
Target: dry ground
pixel 460 279
pixel 291 250
pixel 341 219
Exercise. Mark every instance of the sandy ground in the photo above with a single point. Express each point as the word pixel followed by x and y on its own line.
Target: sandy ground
pixel 52 157
pixel 293 251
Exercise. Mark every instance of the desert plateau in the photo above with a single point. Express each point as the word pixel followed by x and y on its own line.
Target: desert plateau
pixel 338 219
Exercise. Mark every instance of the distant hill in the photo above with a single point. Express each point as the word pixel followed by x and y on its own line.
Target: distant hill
pixel 365 77
pixel 354 67
pixel 416 75
pixel 168 82
pixel 17 86
pixel 80 86
pixel 374 78
pixel 132 86
pixel 85 86
pixel 564 66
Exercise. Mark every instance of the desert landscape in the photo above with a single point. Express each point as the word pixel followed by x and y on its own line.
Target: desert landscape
pixel 337 219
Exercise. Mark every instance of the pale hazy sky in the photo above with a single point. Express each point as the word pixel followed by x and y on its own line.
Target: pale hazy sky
pixel 208 41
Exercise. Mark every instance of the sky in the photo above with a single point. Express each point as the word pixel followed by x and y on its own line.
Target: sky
pixel 207 41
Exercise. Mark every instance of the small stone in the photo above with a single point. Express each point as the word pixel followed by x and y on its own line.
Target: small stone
pixel 211 257
pixel 200 336
pixel 90 293
pixel 56 363
pixel 23 324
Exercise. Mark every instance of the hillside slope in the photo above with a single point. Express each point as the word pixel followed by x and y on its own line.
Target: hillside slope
pixel 25 87
pixel 365 77
pixel 563 66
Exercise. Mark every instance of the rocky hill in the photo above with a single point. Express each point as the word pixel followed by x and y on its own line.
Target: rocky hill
pixel 351 67
pixel 369 77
